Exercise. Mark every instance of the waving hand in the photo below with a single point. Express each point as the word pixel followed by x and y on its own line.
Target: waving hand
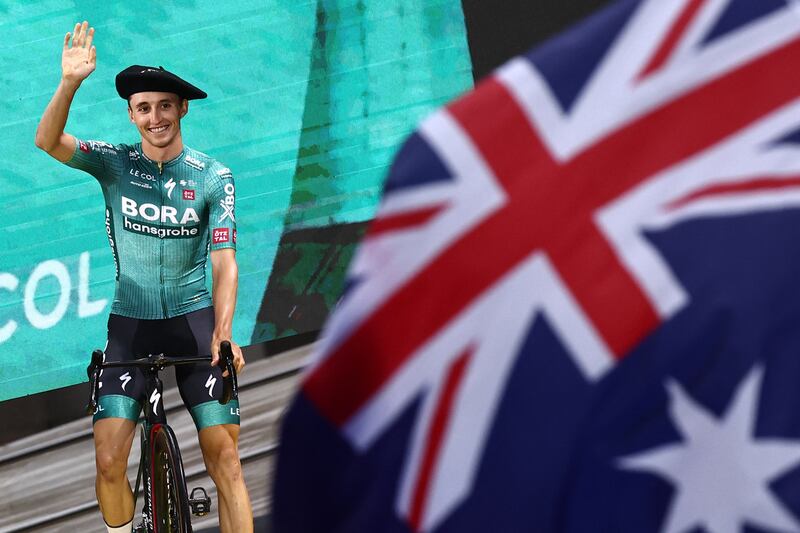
pixel 79 59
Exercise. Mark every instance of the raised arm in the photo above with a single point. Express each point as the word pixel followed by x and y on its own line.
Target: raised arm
pixel 78 60
pixel 225 281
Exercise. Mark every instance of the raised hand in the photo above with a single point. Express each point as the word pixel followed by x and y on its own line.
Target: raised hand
pixel 79 59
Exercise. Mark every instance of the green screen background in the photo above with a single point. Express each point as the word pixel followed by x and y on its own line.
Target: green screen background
pixel 308 102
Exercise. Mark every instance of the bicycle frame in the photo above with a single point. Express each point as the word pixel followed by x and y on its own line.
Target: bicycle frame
pixel 155 416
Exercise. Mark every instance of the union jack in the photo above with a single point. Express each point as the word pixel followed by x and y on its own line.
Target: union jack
pixel 540 199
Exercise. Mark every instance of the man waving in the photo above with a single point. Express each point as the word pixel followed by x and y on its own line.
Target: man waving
pixel 167 205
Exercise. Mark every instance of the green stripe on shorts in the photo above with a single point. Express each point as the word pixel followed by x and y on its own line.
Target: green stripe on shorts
pixel 214 414
pixel 116 406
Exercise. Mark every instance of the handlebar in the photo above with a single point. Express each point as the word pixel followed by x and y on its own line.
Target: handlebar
pixel 157 362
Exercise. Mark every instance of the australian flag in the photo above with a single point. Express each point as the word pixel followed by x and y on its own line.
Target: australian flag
pixel 578 307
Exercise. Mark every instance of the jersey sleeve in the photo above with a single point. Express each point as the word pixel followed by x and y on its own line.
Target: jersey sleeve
pixel 221 209
pixel 100 159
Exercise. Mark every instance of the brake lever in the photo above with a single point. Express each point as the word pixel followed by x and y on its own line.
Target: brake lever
pixel 93 372
pixel 230 385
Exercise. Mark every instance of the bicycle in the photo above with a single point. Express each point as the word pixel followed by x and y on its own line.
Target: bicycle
pixel 166 504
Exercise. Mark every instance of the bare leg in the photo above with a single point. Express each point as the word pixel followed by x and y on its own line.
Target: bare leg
pixel 112 444
pixel 221 455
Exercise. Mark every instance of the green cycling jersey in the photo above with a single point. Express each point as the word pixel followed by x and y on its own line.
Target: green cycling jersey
pixel 161 220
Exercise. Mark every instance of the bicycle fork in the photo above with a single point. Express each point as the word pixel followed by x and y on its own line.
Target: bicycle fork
pixel 200 504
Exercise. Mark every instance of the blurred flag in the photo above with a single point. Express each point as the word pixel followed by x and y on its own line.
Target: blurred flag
pixel 578 308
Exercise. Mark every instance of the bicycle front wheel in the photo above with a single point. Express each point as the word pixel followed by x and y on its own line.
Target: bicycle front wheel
pixel 170 502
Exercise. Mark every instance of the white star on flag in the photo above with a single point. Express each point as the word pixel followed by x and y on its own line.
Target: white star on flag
pixel 721 471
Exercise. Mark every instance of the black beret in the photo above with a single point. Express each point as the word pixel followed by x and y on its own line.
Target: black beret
pixel 138 78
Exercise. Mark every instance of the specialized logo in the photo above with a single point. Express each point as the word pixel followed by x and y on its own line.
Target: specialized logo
pixel 210 382
pixel 154 399
pixel 170 186
pixel 194 163
pixel 140 174
pixel 186 225
pixel 220 235
pixel 227 203
pixel 188 194
pixel 125 378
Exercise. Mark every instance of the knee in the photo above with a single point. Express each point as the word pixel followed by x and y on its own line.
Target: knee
pixel 223 464
pixel 111 465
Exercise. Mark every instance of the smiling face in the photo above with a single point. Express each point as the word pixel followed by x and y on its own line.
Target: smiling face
pixel 158 116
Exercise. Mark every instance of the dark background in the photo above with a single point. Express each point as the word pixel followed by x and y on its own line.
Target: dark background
pixel 500 30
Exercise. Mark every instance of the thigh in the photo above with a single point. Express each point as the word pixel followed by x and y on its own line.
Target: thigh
pixel 200 384
pixel 120 390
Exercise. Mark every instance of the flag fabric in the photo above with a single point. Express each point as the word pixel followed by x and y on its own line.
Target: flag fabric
pixel 578 307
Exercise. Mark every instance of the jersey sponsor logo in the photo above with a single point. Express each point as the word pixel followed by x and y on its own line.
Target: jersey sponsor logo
pixel 111 240
pixel 185 227
pixel 84 147
pixel 170 186
pixel 190 183
pixel 141 184
pixel 103 147
pixel 235 411
pixel 162 232
pixel 139 174
pixel 101 144
pixel 234 236
pixel 125 378
pixel 133 155
pixel 227 203
pixel 210 384
pixel 194 163
pixel 153 213
pixel 225 173
pixel 220 235
pixel 188 194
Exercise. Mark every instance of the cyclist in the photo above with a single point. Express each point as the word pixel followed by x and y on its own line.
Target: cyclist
pixel 166 206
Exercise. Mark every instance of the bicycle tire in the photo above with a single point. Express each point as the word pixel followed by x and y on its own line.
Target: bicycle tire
pixel 170 501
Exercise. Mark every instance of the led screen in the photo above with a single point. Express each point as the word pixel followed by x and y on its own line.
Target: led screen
pixel 308 102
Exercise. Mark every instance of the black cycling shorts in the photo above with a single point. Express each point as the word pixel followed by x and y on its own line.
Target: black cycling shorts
pixel 121 390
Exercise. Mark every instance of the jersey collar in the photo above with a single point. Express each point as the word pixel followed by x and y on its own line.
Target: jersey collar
pixel 175 160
